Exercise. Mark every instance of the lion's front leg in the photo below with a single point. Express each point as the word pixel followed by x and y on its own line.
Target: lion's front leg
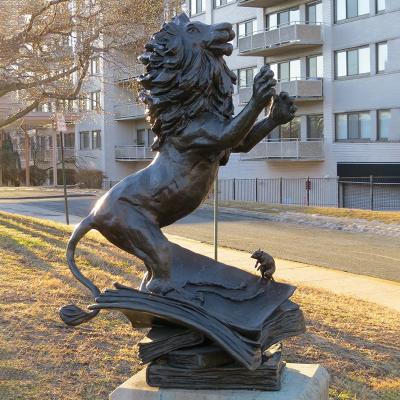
pixel 237 129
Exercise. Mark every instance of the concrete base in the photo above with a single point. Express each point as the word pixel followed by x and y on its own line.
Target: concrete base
pixel 299 382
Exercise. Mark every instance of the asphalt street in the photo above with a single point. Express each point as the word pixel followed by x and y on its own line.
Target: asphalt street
pixel 359 253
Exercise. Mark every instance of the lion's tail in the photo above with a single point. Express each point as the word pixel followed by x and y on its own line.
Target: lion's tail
pixel 71 314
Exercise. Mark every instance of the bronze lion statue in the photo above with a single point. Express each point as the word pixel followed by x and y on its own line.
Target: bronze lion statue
pixel 188 93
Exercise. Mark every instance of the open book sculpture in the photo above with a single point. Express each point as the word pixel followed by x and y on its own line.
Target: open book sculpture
pixel 208 319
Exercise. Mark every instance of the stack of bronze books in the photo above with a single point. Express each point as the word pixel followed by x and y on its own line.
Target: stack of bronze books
pixel 219 328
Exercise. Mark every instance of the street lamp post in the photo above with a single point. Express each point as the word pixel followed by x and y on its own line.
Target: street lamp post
pixel 62 127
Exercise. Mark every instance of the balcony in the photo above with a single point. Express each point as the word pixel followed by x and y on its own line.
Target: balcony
pixel 302 89
pixel 129 111
pixel 286 150
pixel 133 153
pixel 259 3
pixel 125 74
pixel 286 38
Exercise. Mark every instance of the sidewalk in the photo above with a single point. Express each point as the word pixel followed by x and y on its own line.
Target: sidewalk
pixel 382 292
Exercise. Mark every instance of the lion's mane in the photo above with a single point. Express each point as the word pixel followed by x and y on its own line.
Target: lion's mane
pixel 181 82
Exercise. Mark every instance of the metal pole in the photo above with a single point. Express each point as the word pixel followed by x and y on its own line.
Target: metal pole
pixel 308 187
pixel 371 182
pixel 64 179
pixel 216 218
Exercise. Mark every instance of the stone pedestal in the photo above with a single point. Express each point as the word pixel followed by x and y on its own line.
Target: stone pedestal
pixel 299 382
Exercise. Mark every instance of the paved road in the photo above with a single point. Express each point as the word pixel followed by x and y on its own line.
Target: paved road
pixel 354 252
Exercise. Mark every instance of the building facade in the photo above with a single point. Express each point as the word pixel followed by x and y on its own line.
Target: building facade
pixel 339 59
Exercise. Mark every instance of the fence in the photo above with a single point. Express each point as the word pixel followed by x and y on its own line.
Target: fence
pixel 373 193
pixel 322 192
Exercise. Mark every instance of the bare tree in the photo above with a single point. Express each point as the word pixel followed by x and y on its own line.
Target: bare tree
pixel 46 46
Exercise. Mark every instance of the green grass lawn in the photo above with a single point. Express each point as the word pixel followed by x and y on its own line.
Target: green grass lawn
pixel 41 358
pixel 382 216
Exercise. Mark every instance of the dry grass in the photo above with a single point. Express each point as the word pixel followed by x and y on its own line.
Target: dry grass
pixel 383 216
pixel 40 358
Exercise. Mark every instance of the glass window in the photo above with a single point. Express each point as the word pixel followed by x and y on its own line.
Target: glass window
pixel 351 8
pixel 380 5
pixel 69 140
pixel 363 7
pixel 365 125
pixel 141 137
pixel 246 76
pixel 290 131
pixel 340 10
pixel 382 56
pixel 384 120
pixel 364 61
pixel 95 100
pixel 96 139
pixel 314 13
pixel 197 6
pixel 219 3
pixel 315 127
pixel 353 126
pixel 284 71
pixel 285 17
pixel 95 65
pixel 353 62
pixel 247 28
pixel 315 67
pixel 287 71
pixel 341 64
pixel 294 70
pixel 84 140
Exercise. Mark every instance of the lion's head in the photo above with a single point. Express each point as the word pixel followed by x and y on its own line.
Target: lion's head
pixel 186 74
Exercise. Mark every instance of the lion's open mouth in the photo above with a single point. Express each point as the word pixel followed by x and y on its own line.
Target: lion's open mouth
pixel 222 35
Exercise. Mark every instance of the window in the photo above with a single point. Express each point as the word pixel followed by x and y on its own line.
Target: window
pixel 95 100
pixel 197 6
pixel 384 121
pixel 219 3
pixel 84 140
pixel 69 140
pixel 352 62
pixel 346 9
pixel 95 65
pixel 287 71
pixel 150 137
pixel 289 131
pixel 96 139
pixel 380 5
pixel 315 127
pixel 381 56
pixel 285 17
pixel 246 76
pixel 141 137
pixel 315 67
pixel 247 28
pixel 314 13
pixel 353 126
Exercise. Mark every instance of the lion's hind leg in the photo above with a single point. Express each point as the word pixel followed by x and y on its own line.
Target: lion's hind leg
pixel 139 235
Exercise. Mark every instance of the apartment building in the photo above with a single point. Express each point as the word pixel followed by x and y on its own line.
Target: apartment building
pixel 339 59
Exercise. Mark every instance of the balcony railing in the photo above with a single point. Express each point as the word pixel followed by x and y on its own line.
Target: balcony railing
pixel 259 3
pixel 133 153
pixel 302 89
pixel 129 111
pixel 297 35
pixel 124 74
pixel 287 149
